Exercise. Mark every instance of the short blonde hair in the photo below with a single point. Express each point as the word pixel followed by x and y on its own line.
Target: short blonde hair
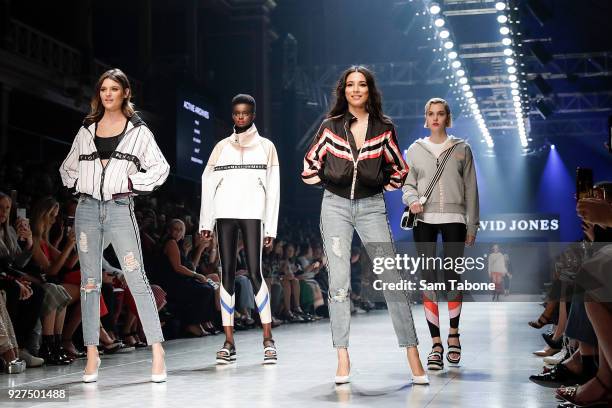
pixel 449 115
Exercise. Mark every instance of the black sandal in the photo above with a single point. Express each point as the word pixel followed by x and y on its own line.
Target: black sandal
pixel 454 350
pixel 543 320
pixel 434 359
pixel 270 353
pixel 227 354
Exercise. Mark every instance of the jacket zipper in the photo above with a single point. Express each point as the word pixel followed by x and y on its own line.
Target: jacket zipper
pixel 262 185
pixel 355 162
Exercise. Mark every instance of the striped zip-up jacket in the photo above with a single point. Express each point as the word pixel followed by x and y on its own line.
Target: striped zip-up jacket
pixel 334 161
pixel 137 160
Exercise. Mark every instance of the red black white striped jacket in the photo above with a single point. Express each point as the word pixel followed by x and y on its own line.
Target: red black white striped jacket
pixel 334 160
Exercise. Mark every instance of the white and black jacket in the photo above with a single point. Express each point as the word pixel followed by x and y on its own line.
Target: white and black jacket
pixel 241 180
pixel 137 158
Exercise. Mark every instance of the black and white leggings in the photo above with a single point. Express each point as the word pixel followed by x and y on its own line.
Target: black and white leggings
pixel 227 235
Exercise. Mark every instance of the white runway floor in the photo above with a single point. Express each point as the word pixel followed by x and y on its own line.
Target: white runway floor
pixel 496 364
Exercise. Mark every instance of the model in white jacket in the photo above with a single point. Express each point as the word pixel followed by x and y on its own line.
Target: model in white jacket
pixel 240 193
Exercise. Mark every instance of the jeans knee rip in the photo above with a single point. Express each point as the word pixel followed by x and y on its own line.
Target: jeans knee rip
pixel 340 295
pixel 131 263
pixel 92 285
pixel 336 247
pixel 83 242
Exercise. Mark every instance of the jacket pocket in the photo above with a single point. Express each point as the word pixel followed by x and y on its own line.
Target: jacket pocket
pixel 261 184
pixel 217 187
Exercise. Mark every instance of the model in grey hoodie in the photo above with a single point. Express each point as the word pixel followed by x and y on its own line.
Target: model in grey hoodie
pixel 457 190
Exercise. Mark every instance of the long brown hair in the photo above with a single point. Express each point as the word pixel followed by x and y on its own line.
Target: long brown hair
pixel 39 213
pixel 5 226
pixel 97 109
pixel 374 102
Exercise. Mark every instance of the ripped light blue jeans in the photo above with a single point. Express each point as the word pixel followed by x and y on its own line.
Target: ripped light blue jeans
pixel 340 217
pixel 98 223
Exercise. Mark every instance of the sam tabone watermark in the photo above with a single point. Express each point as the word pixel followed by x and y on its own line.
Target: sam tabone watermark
pixel 410 264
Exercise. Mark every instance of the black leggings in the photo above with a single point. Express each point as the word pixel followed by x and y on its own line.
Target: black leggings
pixel 453 238
pixel 227 235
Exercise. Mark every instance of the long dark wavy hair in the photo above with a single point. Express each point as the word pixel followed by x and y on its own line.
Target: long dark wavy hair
pixel 97 109
pixel 374 102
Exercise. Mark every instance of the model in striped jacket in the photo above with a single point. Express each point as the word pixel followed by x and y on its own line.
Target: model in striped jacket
pixel 113 157
pixel 355 156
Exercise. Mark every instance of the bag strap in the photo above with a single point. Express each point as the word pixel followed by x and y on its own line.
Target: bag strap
pixel 439 170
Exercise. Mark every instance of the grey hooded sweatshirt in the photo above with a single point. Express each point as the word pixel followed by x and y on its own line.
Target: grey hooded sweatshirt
pixel 457 190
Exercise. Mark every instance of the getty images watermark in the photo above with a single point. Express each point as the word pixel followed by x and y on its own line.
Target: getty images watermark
pixel 412 264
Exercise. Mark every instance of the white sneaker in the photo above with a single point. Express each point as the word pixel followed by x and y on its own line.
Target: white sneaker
pixel 30 360
pixel 556 358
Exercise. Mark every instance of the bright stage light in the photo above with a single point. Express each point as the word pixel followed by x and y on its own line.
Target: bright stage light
pixel 434 8
pixel 504 30
pixel 448 45
pixel 452 55
pixel 516 98
pixel 502 19
pixel 508 52
pixel 456 64
pixel 500 5
pixel 515 92
pixel 439 22
pixel 469 94
pixel 444 34
pixel 466 87
pixel 511 70
pixel 506 41
pixel 472 100
pixel 513 78
pixel 463 81
pixel 460 73
pixel 509 61
pixel 514 85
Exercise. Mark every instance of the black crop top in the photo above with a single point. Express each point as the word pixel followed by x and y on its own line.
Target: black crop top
pixel 107 145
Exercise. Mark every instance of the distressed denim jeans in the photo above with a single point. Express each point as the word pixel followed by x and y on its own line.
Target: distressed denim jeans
pixel 97 224
pixel 368 216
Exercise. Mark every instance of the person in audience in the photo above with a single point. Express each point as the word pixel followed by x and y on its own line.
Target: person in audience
pixel 51 260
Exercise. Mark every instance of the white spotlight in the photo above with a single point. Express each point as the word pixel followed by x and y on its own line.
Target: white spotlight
pixel 463 80
pixel 509 61
pixel 502 19
pixel 514 85
pixel 504 30
pixel 444 34
pixel 452 55
pixel 439 22
pixel 456 64
pixel 515 92
pixel 465 87
pixel 506 41
pixel 513 78
pixel 500 5
pixel 469 94
pixel 474 106
pixel 517 104
pixel 472 100
pixel 448 45
pixel 460 73
pixel 511 70
pixel 508 52
pixel 516 98
pixel 434 8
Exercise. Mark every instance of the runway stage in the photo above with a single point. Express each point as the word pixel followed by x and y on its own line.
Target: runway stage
pixel 496 364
